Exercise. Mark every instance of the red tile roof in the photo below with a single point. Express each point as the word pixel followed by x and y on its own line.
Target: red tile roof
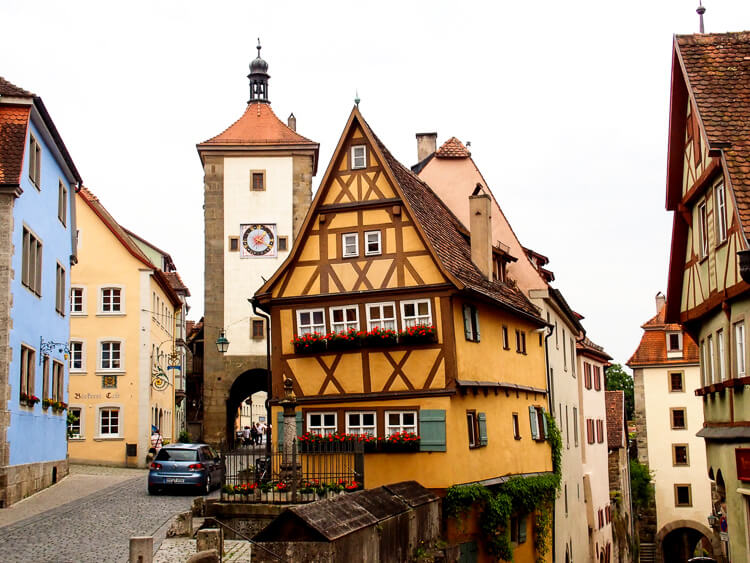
pixel 718 75
pixel 11 90
pixel 586 347
pixel 444 232
pixel 652 349
pixel 452 148
pixel 258 126
pixel 615 405
pixel 175 281
pixel 13 123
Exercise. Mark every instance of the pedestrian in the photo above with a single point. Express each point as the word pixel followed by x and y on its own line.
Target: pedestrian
pixel 253 435
pixel 246 436
pixel 258 434
pixel 156 441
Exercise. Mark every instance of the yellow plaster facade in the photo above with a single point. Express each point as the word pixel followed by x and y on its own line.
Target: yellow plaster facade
pixel 123 318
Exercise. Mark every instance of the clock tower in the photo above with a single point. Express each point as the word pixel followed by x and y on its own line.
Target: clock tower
pixel 257 189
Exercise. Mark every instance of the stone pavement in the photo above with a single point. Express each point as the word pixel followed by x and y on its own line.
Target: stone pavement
pixel 89 516
pixel 177 550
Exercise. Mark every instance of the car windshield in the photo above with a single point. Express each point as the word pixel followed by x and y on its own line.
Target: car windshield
pixel 166 454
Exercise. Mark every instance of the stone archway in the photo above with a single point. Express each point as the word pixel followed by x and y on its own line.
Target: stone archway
pixel 682 536
pixel 247 383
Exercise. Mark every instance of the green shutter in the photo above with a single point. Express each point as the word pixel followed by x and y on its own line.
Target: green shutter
pixel 467 323
pixel 544 422
pixel 475 314
pixel 522 529
pixel 280 428
pixel 432 430
pixel 534 423
pixel 482 418
pixel 299 424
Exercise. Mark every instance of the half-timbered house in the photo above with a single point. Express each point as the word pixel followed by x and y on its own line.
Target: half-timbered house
pixel 436 345
pixel 708 189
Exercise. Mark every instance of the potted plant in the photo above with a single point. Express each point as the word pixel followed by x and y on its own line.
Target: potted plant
pixel 46 403
pixel 352 486
pixel 344 340
pixel 380 337
pixel 418 334
pixel 404 441
pixel 310 343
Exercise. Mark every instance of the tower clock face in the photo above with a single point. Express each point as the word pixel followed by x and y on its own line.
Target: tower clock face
pixel 259 240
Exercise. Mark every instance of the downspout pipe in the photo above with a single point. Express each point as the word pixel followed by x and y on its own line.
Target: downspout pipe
pixel 550 404
pixel 257 310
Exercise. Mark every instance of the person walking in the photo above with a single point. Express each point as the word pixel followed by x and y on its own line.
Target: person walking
pixel 246 436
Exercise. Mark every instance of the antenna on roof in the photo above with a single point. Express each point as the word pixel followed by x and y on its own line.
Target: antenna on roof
pixel 356 98
pixel 700 11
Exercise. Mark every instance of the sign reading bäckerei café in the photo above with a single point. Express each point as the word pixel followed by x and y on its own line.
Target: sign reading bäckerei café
pixel 108 395
pixel 743 464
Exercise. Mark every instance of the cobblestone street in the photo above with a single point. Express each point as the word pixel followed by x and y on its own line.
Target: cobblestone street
pixel 90 526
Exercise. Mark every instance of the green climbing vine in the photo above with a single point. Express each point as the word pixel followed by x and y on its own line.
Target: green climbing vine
pixel 525 495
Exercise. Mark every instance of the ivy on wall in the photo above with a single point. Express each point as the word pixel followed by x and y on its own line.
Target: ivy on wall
pixel 524 495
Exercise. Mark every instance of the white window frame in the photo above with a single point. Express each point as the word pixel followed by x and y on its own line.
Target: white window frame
pixel 721 212
pixel 35 162
pixel 344 325
pixel 62 202
pixel 310 327
pixel 379 241
pixel 400 427
pixel 109 435
pixel 739 348
pixel 379 322
pixel 703 229
pixel 358 429
pixel 355 157
pixel 121 310
pixel 84 295
pixel 81 369
pixel 677 352
pixel 721 371
pixel 711 363
pixel 81 426
pixel 349 237
pixel 323 429
pixel 61 280
pixel 99 350
pixel 416 319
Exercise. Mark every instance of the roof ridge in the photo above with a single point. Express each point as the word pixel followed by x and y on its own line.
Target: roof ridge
pixel 7 88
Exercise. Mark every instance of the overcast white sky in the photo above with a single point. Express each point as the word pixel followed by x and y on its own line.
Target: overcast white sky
pixel 565 105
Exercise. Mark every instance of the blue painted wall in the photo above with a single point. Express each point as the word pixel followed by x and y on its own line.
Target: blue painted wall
pixel 36 435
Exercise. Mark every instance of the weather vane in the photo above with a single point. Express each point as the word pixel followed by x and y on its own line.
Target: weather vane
pixel 356 98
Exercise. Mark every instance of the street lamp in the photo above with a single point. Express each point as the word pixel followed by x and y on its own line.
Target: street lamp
pixel 222 343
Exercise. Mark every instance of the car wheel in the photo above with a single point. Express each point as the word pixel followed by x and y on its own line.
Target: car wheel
pixel 207 490
pixel 153 490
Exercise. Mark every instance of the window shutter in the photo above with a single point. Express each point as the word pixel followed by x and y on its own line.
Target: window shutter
pixel 533 423
pixel 467 323
pixel 280 428
pixel 544 423
pixel 522 529
pixel 482 419
pixel 432 430
pixel 299 423
pixel 475 313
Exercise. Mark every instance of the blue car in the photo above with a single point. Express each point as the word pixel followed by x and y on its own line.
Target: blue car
pixel 185 466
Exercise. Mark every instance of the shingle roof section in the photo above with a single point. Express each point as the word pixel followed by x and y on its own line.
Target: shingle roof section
pixel 653 346
pixel 13 123
pixel 444 231
pixel 452 148
pixel 615 404
pixel 258 126
pixel 585 346
pixel 175 281
pixel 11 90
pixel 718 73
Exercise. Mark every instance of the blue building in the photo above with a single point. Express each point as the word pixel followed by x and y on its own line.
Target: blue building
pixel 37 249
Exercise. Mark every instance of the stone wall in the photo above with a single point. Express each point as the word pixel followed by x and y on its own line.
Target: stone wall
pixel 7 202
pixel 302 173
pixel 19 481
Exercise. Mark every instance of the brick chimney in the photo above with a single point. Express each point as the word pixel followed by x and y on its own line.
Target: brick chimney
pixel 292 122
pixel 660 301
pixel 480 230
pixel 426 145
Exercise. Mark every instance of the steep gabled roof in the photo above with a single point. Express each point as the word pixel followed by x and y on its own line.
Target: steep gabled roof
pixel 452 148
pixel 652 349
pixel 14 121
pixel 441 230
pixel 124 238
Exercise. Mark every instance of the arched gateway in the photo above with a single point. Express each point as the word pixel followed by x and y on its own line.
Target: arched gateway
pixel 246 384
pixel 677 540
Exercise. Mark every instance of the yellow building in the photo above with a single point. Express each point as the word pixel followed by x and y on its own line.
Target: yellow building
pixel 124 310
pixel 380 254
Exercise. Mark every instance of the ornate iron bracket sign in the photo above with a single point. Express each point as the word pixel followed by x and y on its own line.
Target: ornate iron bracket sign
pixel 46 347
pixel 159 379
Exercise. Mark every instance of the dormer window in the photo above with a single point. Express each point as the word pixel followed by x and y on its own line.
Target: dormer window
pixel 674 344
pixel 359 157
pixel 498 269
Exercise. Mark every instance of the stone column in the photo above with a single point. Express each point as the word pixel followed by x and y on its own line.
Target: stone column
pixel 289 404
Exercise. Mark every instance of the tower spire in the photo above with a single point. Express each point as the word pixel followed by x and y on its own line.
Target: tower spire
pixel 258 79
pixel 700 11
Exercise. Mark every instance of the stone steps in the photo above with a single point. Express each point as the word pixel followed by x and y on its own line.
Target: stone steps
pixel 647 553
